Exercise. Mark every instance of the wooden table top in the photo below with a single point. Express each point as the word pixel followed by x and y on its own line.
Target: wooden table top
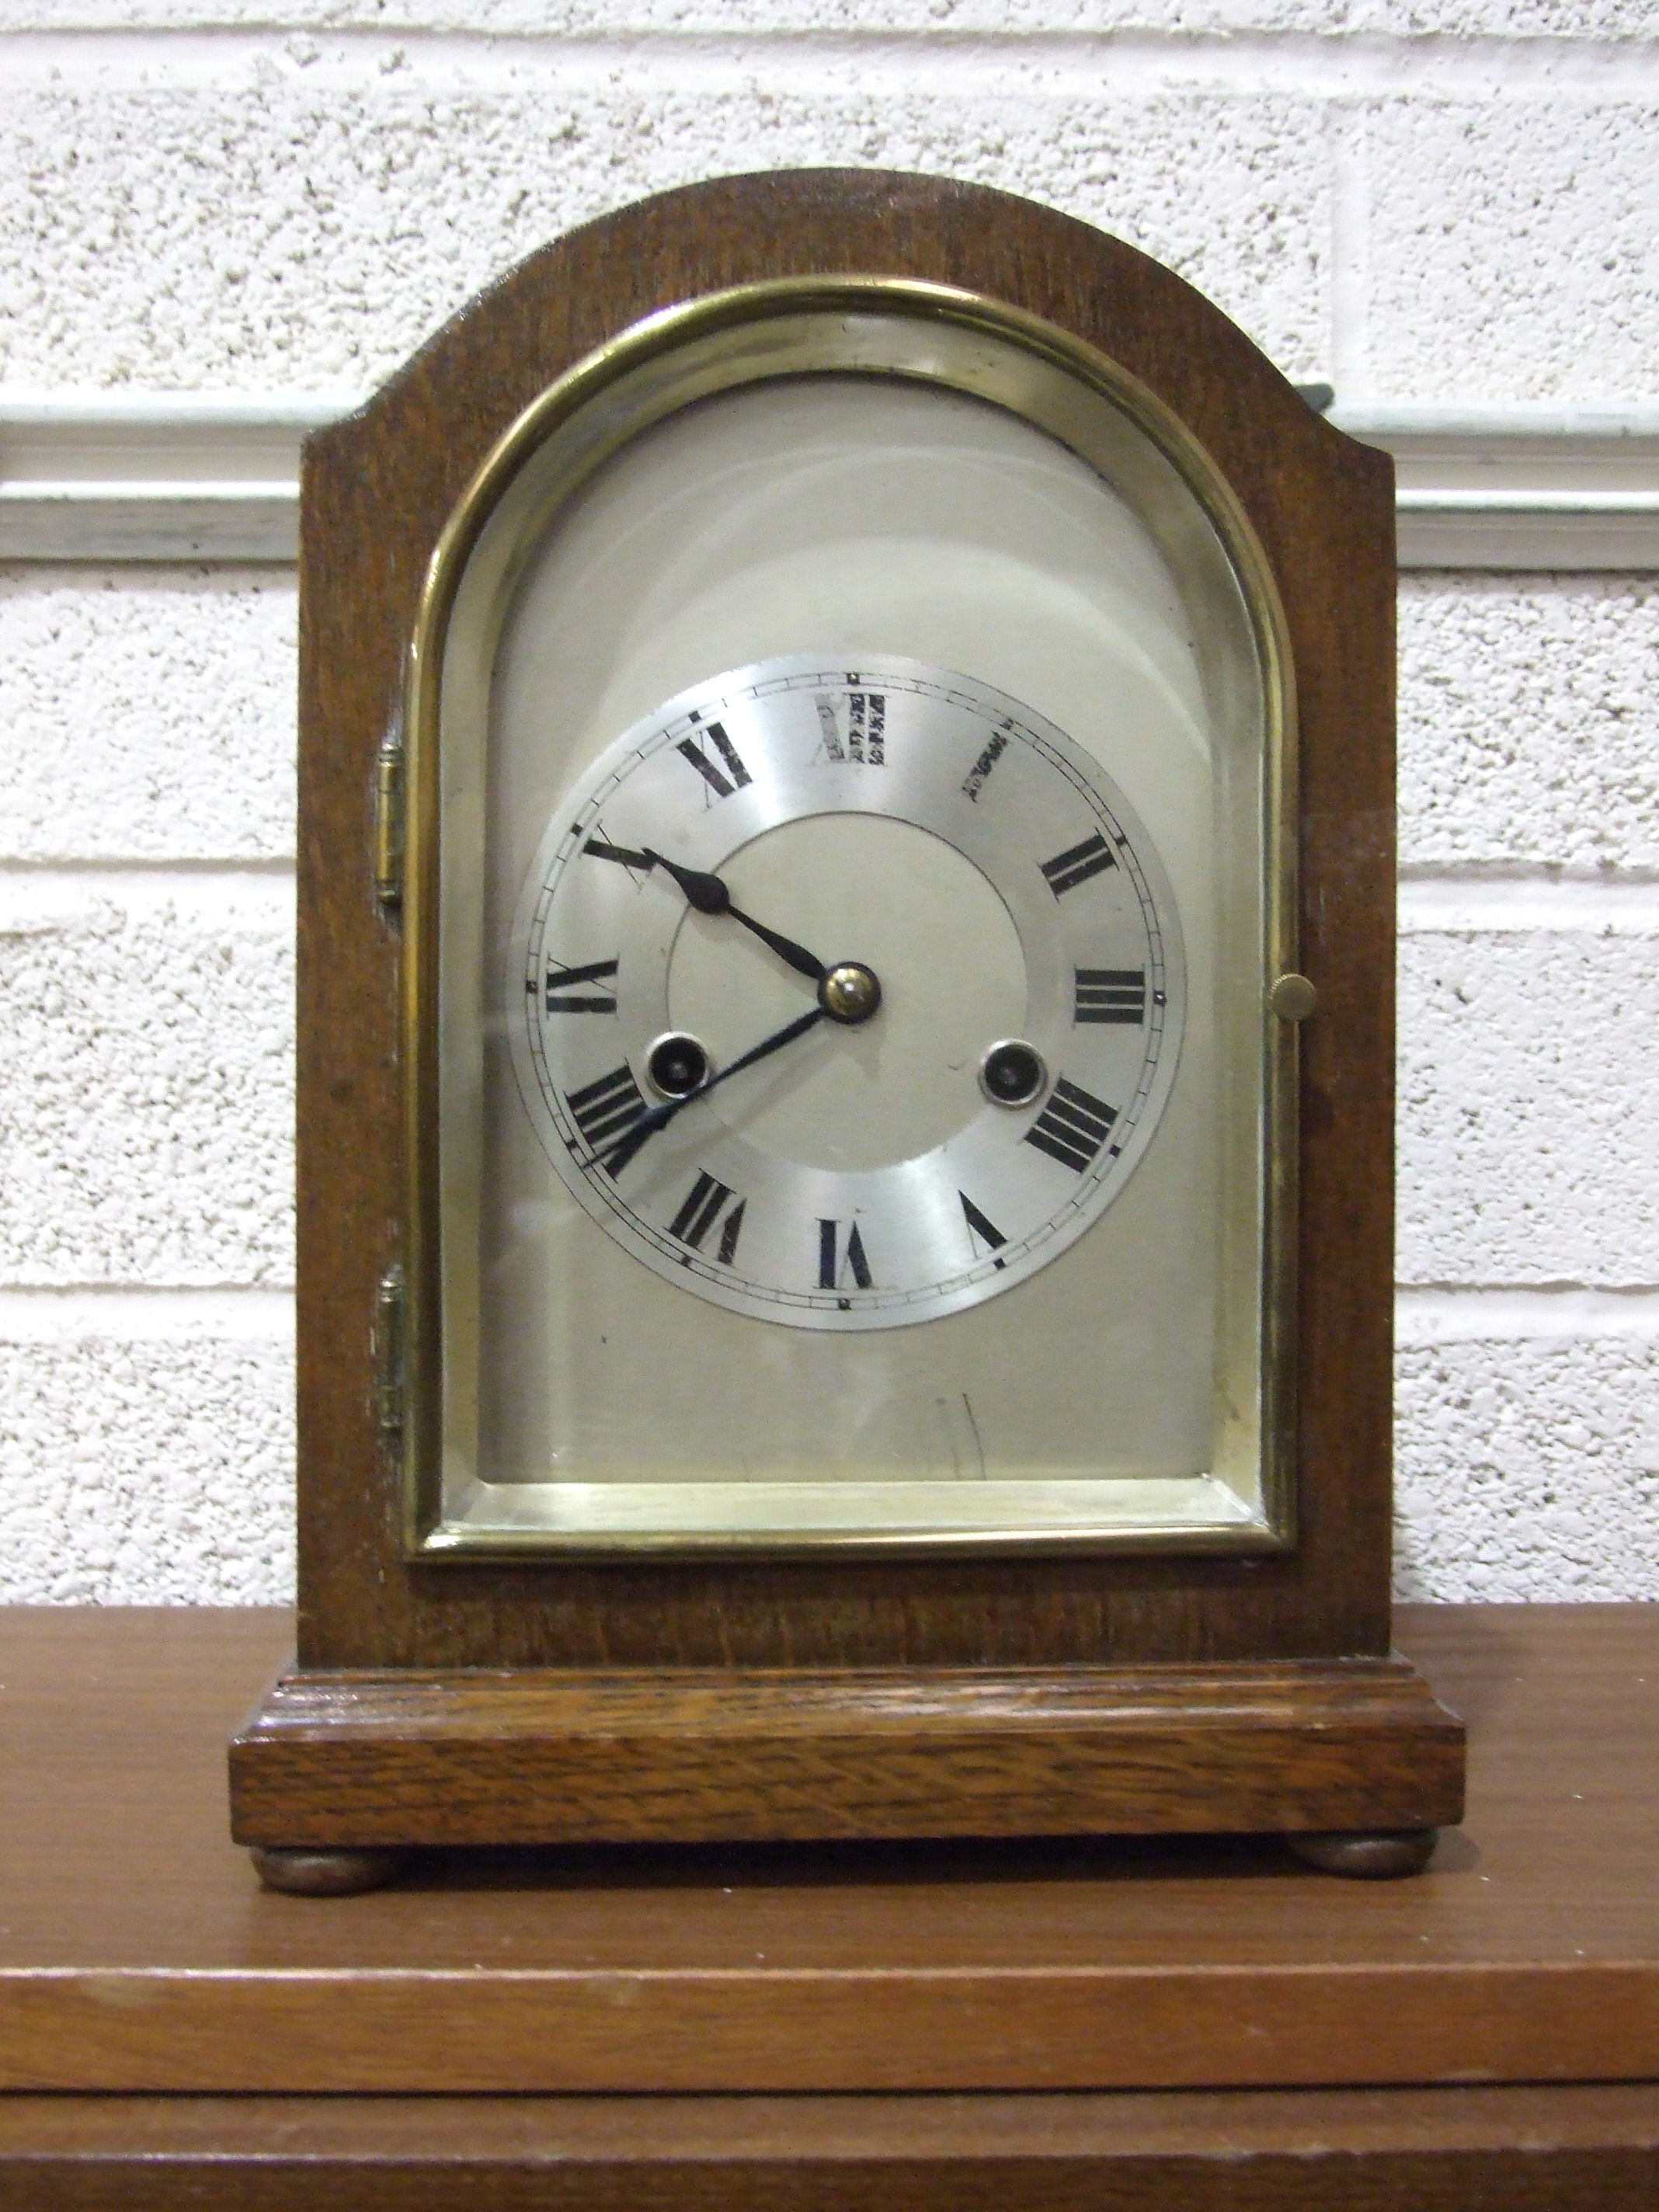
pixel 1588 2149
pixel 137 1951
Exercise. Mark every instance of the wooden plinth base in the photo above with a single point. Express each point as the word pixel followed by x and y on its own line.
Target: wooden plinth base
pixel 361 1761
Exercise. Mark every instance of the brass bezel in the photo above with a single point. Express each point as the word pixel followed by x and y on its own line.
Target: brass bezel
pixel 426 1535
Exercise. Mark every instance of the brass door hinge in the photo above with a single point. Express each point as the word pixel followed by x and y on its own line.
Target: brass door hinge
pixel 390 1300
pixel 389 818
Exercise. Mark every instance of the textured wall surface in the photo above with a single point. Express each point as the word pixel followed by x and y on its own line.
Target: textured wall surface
pixel 1416 199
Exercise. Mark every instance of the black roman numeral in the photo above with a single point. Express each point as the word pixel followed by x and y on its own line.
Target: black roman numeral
pixel 624 855
pixel 867 728
pixel 1111 994
pixel 735 775
pixel 604 1111
pixel 562 997
pixel 978 1226
pixel 829 725
pixel 1072 1126
pixel 702 1208
pixel 836 1259
pixel 1069 869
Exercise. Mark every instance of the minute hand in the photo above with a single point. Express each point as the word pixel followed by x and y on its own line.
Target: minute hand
pixel 709 894
pixel 616 1154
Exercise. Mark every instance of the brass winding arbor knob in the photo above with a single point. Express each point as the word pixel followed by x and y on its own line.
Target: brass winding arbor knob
pixel 1292 998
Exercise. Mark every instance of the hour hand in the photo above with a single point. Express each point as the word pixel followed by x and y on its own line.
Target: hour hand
pixel 705 892
pixel 708 895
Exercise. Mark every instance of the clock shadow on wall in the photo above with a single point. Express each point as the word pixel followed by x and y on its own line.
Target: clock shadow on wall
pixel 845 1103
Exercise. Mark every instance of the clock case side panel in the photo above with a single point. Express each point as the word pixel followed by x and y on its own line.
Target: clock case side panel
pixel 378 490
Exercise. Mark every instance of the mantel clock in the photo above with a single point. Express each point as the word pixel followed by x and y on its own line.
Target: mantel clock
pixel 844 1100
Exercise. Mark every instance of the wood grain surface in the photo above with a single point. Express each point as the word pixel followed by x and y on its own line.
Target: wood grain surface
pixel 137 1951
pixel 691 1756
pixel 377 490
pixel 1589 2148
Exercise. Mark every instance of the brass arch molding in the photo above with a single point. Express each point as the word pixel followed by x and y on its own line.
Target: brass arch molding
pixel 867 327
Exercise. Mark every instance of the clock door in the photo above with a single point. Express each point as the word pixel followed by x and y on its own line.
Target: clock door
pixel 888 645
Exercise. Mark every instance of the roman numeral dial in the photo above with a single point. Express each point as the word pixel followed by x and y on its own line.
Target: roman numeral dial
pixel 706 894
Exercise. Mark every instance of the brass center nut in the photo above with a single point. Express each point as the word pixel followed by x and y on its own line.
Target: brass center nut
pixel 849 993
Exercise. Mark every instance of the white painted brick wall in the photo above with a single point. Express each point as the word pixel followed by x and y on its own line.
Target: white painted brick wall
pixel 147 713
pixel 146 1471
pixel 1528 1105
pixel 1530 724
pixel 1526 1470
pixel 152 1055
pixel 1481 276
pixel 1451 200
pixel 306 232
pixel 825 20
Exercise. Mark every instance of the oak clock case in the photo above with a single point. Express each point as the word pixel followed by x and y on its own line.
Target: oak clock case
pixel 856 735
pixel 844 1275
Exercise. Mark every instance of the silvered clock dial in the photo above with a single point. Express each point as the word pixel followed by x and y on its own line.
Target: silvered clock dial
pixel 849 997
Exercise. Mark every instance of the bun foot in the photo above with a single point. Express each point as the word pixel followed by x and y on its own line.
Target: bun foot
pixel 307 1871
pixel 1366 1854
